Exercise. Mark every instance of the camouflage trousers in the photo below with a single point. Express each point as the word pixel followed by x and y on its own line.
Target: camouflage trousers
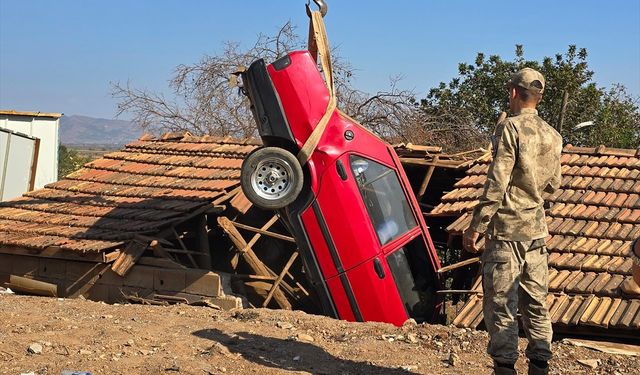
pixel 515 276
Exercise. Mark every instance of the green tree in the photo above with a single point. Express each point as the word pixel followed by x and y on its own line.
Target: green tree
pixel 571 98
pixel 69 161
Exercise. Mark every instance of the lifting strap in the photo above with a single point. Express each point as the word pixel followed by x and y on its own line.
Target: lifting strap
pixel 318 45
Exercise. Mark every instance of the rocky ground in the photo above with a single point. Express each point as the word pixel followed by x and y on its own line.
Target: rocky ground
pixel 47 336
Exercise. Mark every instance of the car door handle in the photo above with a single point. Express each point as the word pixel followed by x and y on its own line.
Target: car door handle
pixel 377 265
pixel 341 171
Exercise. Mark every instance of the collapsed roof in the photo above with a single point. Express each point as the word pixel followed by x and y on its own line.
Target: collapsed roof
pixel 147 186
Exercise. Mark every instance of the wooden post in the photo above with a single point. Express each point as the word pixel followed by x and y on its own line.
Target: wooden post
pixel 276 283
pixel 203 242
pixel 252 259
pixel 34 164
pixel 427 178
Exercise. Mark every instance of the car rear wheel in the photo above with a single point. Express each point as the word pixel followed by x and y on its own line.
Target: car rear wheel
pixel 271 177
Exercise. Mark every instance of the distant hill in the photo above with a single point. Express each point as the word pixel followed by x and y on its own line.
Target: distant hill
pixel 84 130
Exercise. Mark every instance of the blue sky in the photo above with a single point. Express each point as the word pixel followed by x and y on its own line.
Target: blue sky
pixel 60 56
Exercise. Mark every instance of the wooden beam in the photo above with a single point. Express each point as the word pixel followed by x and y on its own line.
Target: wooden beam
pixel 459 264
pixel 254 239
pixel 419 161
pixel 427 178
pixel 33 287
pixel 252 259
pixel 277 282
pixel 184 247
pixel 265 232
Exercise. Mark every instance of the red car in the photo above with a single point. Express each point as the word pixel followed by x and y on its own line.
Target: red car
pixel 361 234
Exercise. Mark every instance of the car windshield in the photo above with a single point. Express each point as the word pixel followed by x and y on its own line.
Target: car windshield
pixel 384 198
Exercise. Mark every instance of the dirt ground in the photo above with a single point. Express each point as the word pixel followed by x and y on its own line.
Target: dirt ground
pixel 135 339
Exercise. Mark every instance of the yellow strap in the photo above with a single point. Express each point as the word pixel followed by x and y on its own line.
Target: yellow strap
pixel 319 46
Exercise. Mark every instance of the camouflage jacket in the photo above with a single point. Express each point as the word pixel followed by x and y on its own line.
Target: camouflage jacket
pixel 526 163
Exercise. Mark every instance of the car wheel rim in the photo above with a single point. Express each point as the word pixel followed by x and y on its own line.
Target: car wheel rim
pixel 272 178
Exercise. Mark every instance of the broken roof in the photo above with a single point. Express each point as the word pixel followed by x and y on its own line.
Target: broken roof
pixel 141 189
pixel 594 218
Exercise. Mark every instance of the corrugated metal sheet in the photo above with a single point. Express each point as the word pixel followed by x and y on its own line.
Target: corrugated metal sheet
pixel 594 218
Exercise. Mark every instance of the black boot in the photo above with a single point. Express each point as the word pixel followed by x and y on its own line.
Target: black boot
pixel 504 368
pixel 537 367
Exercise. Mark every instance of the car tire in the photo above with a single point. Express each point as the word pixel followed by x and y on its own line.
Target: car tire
pixel 271 177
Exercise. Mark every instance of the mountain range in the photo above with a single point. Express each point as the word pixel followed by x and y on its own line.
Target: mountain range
pixel 85 130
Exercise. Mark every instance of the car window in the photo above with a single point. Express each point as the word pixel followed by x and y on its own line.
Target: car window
pixel 384 198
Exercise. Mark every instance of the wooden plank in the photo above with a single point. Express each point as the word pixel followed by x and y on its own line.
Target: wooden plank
pixel 265 232
pixel 85 282
pixel 128 257
pixel 427 178
pixel 254 277
pixel 112 256
pixel 252 259
pixel 459 264
pixel 279 279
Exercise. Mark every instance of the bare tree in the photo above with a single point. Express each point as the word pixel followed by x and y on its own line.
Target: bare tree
pixel 203 102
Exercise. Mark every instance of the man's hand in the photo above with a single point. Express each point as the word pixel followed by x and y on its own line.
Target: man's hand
pixel 469 239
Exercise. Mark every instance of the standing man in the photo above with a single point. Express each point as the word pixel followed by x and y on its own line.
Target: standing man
pixel 526 163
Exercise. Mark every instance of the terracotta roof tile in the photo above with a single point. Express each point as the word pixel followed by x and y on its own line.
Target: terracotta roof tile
pixel 150 183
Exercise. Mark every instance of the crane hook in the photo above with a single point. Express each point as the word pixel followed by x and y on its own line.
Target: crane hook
pixel 322 5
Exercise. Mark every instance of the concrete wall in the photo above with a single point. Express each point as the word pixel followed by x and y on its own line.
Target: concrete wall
pixel 47 130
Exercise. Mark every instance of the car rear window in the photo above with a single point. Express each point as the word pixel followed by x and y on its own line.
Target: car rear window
pixel 384 198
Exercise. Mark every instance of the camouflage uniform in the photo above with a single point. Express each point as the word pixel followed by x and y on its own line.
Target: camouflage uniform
pixel 526 163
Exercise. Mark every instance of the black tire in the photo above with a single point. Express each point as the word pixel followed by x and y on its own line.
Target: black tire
pixel 271 177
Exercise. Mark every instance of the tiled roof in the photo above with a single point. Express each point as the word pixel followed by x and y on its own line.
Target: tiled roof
pixel 594 218
pixel 138 190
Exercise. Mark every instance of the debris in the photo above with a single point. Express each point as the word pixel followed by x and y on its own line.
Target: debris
pixel 409 367
pixel 284 325
pixel 412 338
pixel 245 315
pixel 85 352
pixel 453 360
pixel 409 323
pixel 591 363
pixel 304 337
pixel 35 348
pixel 296 358
pixel 6 290
pixel 606 347
pixel 71 372
pixel 173 367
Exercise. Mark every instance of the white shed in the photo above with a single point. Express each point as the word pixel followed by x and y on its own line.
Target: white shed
pixel 44 126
